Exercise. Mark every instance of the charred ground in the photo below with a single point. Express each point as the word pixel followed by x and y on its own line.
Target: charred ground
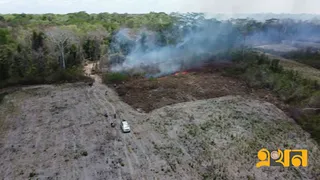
pixel 293 89
pixel 209 81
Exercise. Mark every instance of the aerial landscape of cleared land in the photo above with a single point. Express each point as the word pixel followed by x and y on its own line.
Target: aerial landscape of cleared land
pixel 200 102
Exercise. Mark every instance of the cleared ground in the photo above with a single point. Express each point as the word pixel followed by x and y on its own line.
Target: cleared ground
pixel 219 138
pixel 59 132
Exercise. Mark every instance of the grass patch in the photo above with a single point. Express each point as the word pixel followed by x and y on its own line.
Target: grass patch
pixel 114 77
pixel 192 129
pixel 69 75
pixel 310 123
pixel 261 72
pixel 153 79
pixel 308 56
pixel 291 87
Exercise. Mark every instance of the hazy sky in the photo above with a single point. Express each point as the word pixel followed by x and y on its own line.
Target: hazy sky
pixel 142 6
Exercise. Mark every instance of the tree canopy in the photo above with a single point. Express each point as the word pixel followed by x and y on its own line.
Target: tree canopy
pixel 34 46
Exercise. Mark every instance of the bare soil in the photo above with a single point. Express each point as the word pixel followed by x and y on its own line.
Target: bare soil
pixel 218 139
pixel 60 132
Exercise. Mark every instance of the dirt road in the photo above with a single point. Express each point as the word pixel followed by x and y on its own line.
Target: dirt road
pixel 60 132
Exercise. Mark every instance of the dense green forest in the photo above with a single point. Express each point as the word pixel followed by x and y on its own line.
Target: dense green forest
pixel 50 48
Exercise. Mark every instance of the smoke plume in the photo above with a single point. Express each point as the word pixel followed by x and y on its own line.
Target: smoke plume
pixel 194 41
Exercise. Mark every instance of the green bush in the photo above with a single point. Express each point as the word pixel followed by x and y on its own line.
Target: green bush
pixel 153 79
pixel 70 75
pixel 114 77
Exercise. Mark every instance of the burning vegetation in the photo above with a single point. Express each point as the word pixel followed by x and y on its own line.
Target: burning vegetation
pixel 249 74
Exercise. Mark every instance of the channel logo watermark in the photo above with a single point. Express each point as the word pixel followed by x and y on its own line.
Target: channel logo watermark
pixel 285 158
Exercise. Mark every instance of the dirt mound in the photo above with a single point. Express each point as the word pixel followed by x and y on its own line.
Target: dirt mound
pixel 220 138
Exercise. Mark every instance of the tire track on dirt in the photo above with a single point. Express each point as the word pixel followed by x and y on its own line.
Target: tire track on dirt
pixel 80 166
pixel 97 139
pixel 125 145
pixel 106 100
pixel 105 104
pixel 82 137
pixel 97 107
pixel 68 145
pixel 55 125
pixel 90 97
pixel 95 98
pixel 101 101
pixel 143 151
pixel 71 136
pixel 132 141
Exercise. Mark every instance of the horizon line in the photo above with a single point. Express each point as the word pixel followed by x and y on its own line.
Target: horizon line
pixel 215 13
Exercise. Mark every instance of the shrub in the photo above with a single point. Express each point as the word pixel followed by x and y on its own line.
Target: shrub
pixel 73 74
pixel 84 153
pixel 153 79
pixel 114 77
pixel 69 75
pixel 307 56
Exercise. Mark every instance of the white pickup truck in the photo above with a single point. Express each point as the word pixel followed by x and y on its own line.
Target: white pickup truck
pixel 125 126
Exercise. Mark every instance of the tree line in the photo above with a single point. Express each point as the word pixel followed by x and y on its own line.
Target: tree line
pixel 48 48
